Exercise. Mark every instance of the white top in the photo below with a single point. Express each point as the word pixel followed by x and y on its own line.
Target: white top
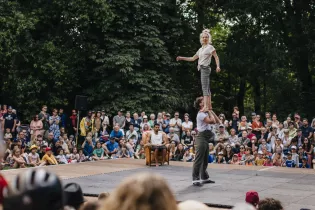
pixel 187 125
pixel 156 138
pixel 179 122
pixel 201 125
pixel 205 54
pixel 33 157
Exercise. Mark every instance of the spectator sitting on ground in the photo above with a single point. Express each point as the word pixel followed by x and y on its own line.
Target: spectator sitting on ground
pixel 304 163
pixel 140 154
pixel 142 192
pixel 173 137
pixel 98 153
pixel 235 160
pixel 48 158
pixel 259 161
pixel 61 157
pixel 268 161
pixel 33 157
pixel 88 147
pixel 130 147
pixel 189 156
pixel 82 157
pixel 132 134
pixel 188 139
pixel 220 158
pixel 179 152
pixel 269 204
pixel 18 160
pixel 111 147
pixel 228 153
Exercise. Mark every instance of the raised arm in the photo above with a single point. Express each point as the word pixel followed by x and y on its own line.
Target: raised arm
pixel 190 59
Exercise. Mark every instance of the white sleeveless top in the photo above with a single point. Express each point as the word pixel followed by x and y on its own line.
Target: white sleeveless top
pixel 204 54
pixel 156 138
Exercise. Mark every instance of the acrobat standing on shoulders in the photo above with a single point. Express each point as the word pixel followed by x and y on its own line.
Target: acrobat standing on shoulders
pixel 204 54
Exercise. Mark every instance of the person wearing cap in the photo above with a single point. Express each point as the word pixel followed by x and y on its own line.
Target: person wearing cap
pixel 220 158
pixel 295 155
pixel 259 161
pixel 48 158
pixel 252 198
pixel 222 134
pixel 9 120
pixel 120 119
pixel 33 157
pixel 205 136
pixel 176 123
pixel 145 122
pixel 289 163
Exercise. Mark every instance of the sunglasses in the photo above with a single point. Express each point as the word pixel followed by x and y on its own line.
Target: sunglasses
pixel 228 147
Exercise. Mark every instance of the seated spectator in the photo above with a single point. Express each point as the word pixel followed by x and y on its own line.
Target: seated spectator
pixel 286 140
pixel 248 158
pixel 73 156
pixel 304 163
pixel 98 153
pixel 187 125
pixel 138 191
pixel 17 160
pixel 243 125
pixel 269 204
pixel 123 153
pixel 49 158
pixel 8 134
pixel 228 153
pixel 292 130
pixel 253 142
pixel 116 133
pixel 272 136
pixel 111 147
pixel 278 143
pixel 172 136
pixel 308 149
pixel 33 157
pixel 189 156
pixel 222 134
pixel 295 156
pixel 42 151
pixel 63 144
pixel 82 157
pixel 140 153
pixel 234 141
pixel 88 147
pixel 249 133
pixel 179 152
pixel 280 131
pixel 268 161
pixel 252 198
pixel 277 159
pixel 264 145
pixel 61 157
pixel 307 131
pixel 145 122
pixel 235 160
pixel 241 153
pixel 298 138
pixel 188 140
pixel 130 147
pixel 289 162
pixel 132 134
pixel 220 158
pixel 24 154
pixel 259 161
pixel 243 139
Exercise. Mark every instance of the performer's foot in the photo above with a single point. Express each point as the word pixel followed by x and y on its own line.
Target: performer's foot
pixel 208 181
pixel 157 165
pixel 197 183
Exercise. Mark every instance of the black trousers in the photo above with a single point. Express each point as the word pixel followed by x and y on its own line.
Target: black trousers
pixel 202 153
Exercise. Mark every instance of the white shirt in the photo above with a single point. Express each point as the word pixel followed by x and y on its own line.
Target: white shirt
pixel 205 54
pixel 33 157
pixel 156 138
pixel 201 125
pixel 187 125
pixel 173 122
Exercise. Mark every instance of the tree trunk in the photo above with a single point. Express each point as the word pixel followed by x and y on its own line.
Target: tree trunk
pixel 257 96
pixel 241 95
pixel 200 10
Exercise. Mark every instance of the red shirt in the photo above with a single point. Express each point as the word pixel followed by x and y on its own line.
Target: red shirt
pixel 3 184
pixel 73 119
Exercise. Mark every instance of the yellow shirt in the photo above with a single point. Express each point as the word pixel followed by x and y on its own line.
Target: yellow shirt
pixel 259 162
pixel 50 159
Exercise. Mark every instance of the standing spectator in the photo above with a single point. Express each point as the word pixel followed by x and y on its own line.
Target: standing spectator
pixel 86 124
pixel 98 124
pixel 9 120
pixel 187 125
pixel 128 121
pixel 54 124
pixel 63 118
pixel 176 123
pixel 234 122
pixel 44 117
pixel 166 123
pixel 36 127
pixel 73 123
pixel 257 126
pixel 307 131
pixel 120 119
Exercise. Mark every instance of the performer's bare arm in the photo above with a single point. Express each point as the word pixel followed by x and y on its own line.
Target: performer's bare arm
pixel 190 59
pixel 210 119
pixel 217 61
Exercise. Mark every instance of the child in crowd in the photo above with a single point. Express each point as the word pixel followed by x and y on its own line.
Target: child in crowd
pixel 17 159
pixel 304 163
pixel 235 160
pixel 247 158
pixel 289 162
pixel 82 157
pixel 188 155
pixel 268 161
pixel 277 160
pixel 48 158
pixel 61 157
pixel 140 154
pixel 259 161
pixel 211 157
pixel 8 134
pixel 124 152
pixel 33 157
pixel 98 153
pixel 220 159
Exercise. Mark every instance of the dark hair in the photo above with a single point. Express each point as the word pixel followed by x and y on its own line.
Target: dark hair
pixel 156 124
pixel 197 102
pixel 269 204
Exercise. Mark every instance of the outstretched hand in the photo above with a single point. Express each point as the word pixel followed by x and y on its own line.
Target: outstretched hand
pixel 218 69
pixel 178 58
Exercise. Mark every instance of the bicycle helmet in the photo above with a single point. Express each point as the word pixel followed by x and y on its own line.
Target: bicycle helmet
pixel 35 189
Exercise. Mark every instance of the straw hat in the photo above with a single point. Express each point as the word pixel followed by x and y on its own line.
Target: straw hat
pixel 33 147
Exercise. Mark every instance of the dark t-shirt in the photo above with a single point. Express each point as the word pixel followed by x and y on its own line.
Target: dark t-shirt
pixel 9 120
pixel 306 131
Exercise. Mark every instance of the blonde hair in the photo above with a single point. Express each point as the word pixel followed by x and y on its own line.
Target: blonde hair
pixel 141 192
pixel 206 32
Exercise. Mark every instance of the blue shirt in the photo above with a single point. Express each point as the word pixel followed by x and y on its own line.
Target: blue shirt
pixel 88 149
pixel 306 131
pixel 115 134
pixel 111 146
pixel 290 163
pixel 167 128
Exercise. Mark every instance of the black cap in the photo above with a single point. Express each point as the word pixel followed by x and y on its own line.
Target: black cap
pixel 73 195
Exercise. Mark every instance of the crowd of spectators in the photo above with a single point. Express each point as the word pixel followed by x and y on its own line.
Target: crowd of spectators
pixel 51 139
